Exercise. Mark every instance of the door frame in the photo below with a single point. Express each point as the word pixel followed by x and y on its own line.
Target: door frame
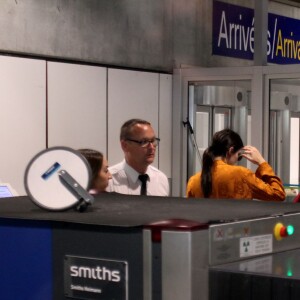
pixel 258 75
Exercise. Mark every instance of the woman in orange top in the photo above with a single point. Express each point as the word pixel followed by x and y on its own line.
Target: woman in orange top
pixel 220 178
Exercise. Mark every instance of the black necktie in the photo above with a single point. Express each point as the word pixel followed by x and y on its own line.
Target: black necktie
pixel 143 178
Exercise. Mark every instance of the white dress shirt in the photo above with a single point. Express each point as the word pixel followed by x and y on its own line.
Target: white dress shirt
pixel 125 181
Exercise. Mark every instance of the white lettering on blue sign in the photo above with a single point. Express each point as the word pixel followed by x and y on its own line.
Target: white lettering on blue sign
pixel 233 34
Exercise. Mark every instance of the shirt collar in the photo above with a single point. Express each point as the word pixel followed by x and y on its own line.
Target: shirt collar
pixel 131 173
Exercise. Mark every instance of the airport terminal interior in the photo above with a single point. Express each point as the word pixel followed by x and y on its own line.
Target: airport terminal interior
pixel 72 72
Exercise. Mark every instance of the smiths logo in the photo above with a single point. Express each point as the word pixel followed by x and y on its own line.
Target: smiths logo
pixel 92 278
pixel 98 273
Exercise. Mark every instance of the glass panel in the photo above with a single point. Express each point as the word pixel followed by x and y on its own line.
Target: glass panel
pixel 203 120
pixel 284 132
pixel 221 118
pixel 214 106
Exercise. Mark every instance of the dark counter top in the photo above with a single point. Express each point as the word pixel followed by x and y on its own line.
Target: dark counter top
pixel 131 211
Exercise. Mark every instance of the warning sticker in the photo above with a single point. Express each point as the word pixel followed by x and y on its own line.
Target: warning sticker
pixel 256 245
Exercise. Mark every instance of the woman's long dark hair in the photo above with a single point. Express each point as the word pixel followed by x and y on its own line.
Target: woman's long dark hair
pixel 95 160
pixel 222 141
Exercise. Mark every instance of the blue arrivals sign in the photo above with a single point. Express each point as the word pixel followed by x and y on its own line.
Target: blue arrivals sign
pixel 233 34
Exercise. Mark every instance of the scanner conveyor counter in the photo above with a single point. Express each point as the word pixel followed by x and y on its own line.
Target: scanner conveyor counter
pixel 269 277
pixel 125 247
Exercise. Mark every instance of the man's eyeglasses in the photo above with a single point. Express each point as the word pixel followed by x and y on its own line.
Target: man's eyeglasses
pixel 146 143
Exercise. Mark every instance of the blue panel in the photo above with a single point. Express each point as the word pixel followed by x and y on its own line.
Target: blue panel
pixel 233 34
pixel 25 260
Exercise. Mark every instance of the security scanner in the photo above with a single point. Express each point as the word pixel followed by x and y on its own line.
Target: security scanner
pixel 203 260
pixel 139 247
pixel 274 276
pixel 255 259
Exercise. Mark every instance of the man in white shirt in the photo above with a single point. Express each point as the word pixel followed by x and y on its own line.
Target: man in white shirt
pixel 138 142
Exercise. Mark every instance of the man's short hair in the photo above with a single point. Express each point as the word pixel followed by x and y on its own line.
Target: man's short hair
pixel 126 128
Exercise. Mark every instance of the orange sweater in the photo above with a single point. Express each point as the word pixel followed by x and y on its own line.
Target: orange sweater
pixel 237 182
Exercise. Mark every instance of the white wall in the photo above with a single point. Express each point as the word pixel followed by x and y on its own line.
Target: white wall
pixel 77 106
pixel 22 116
pixel 46 104
pixel 131 95
pixel 165 123
pixel 142 95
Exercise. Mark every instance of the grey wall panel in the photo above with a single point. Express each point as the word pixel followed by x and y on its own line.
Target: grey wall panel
pixel 130 33
pixel 22 116
pixel 156 35
pixel 77 106
pixel 131 94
